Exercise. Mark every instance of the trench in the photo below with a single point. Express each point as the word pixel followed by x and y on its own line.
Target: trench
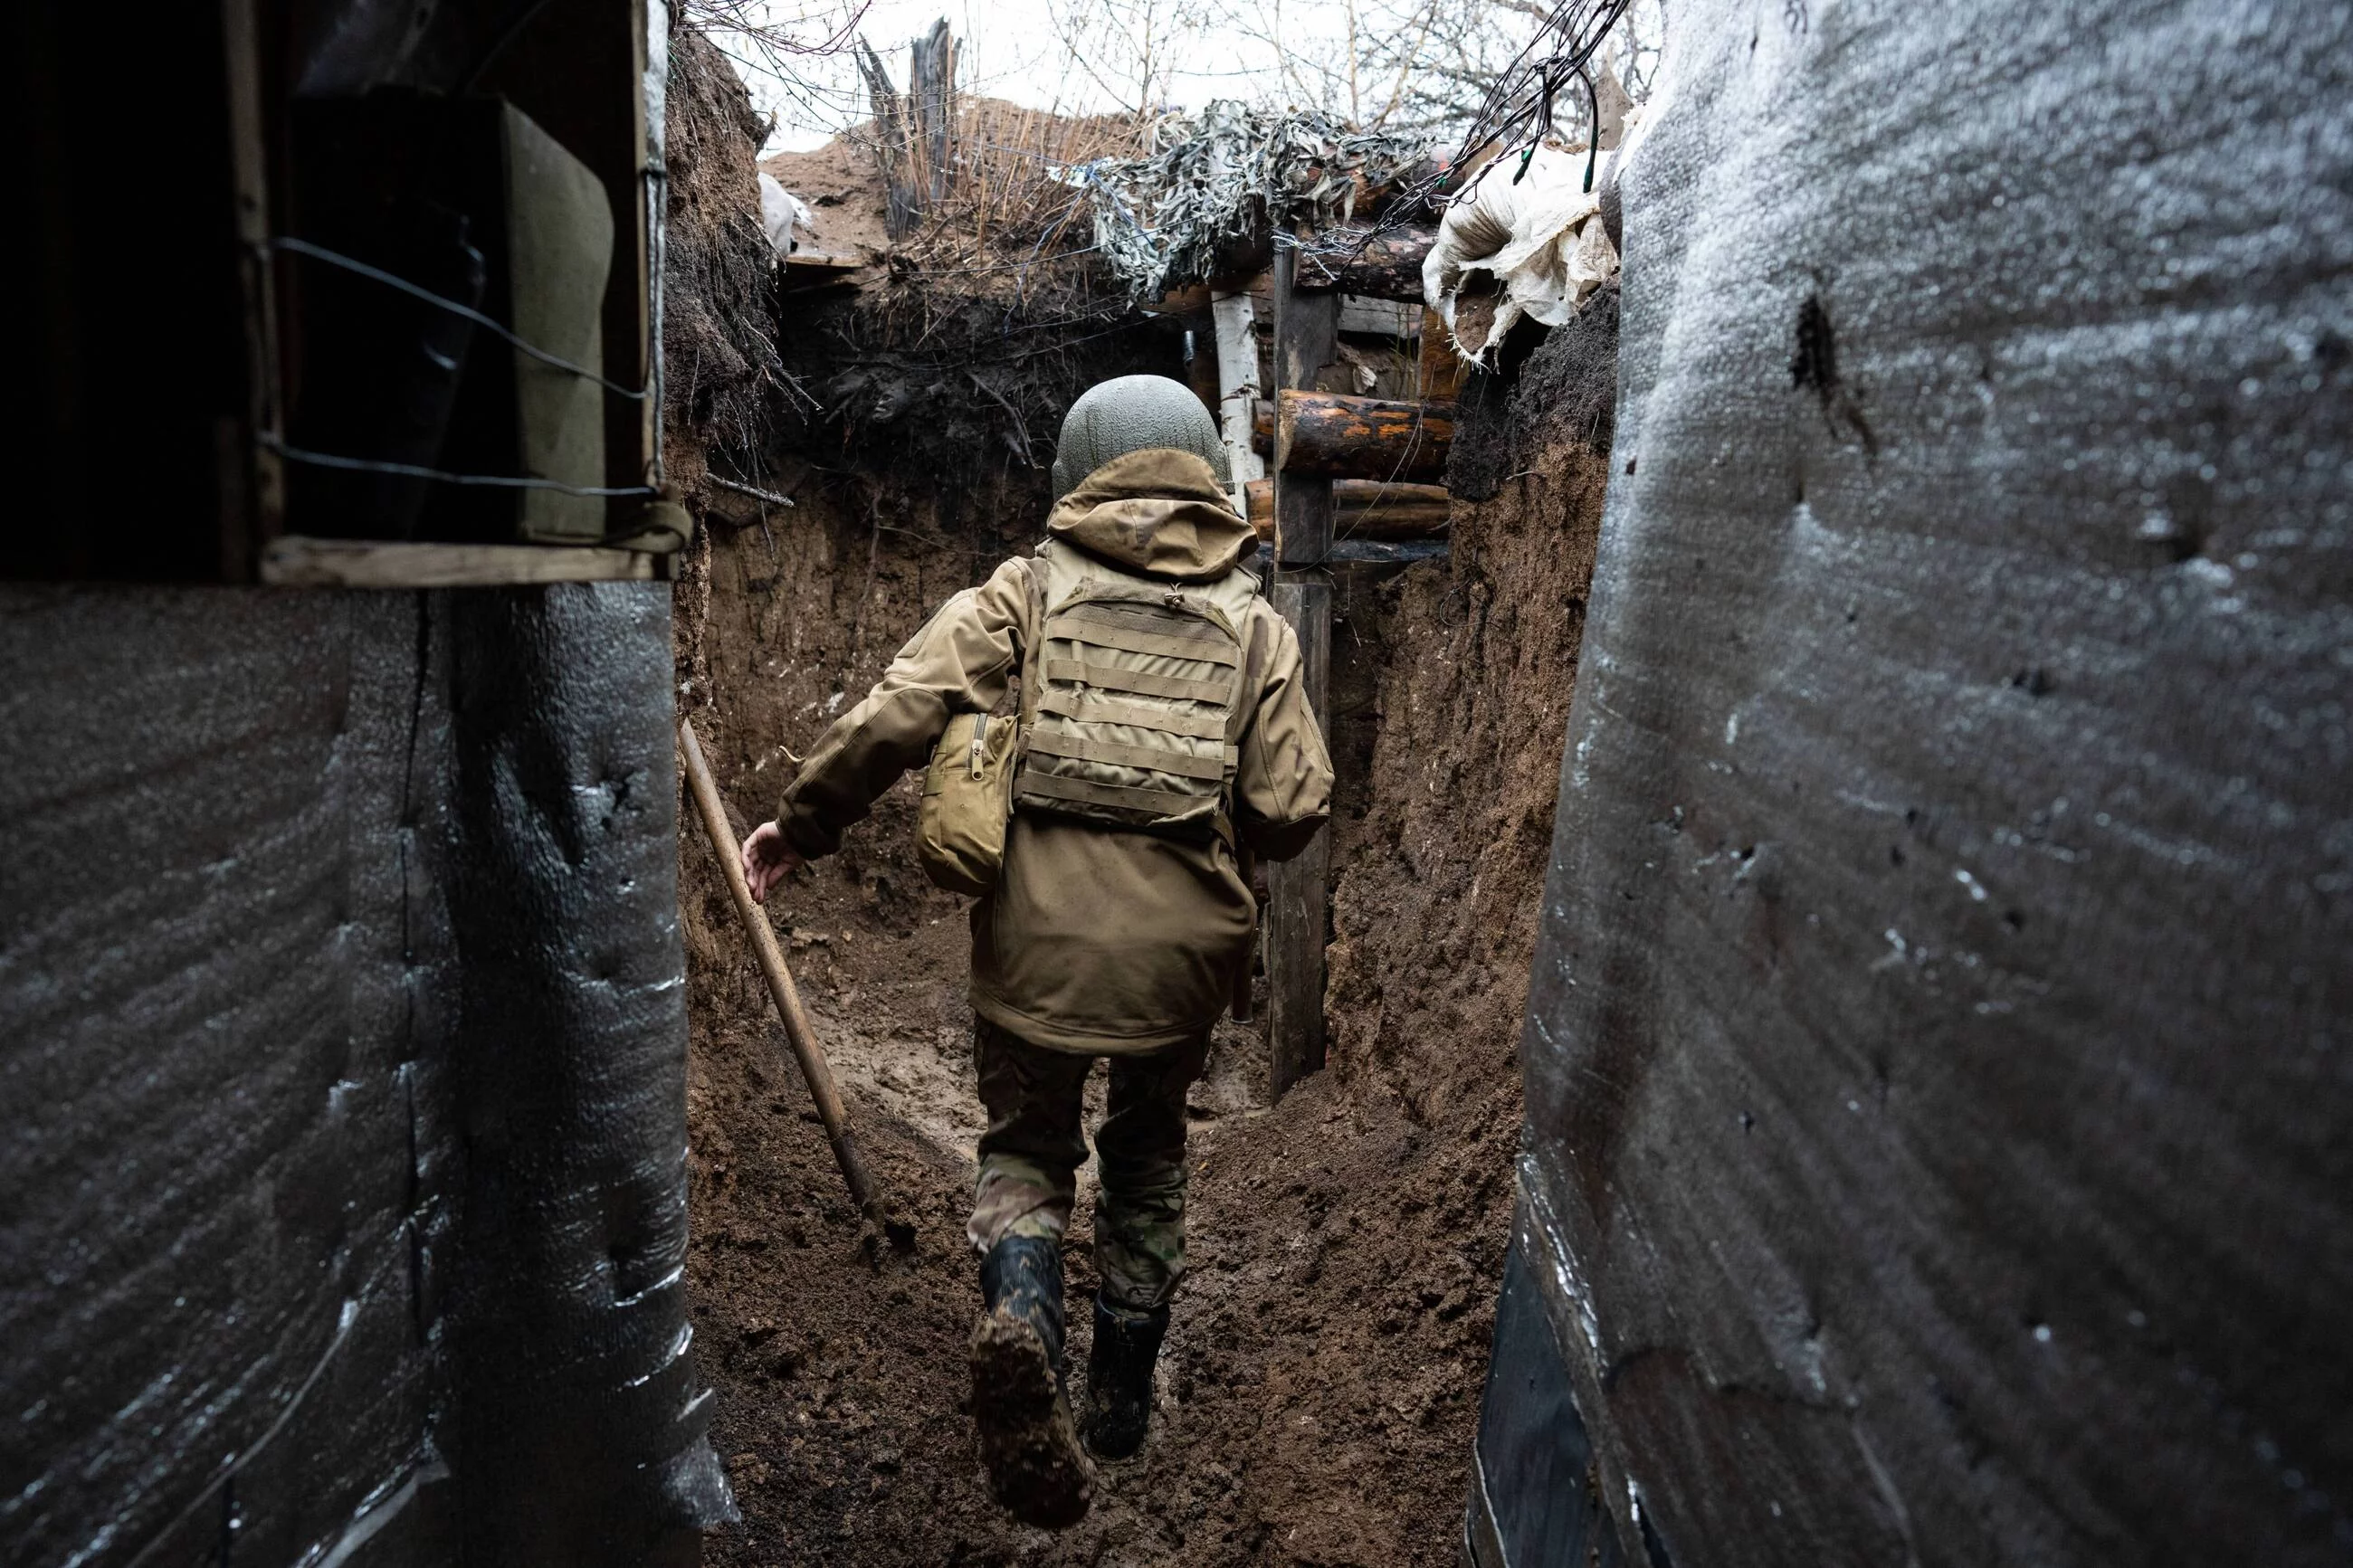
pixel 1319 1391
pixel 1320 1387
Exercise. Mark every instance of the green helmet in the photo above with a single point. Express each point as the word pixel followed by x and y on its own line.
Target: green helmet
pixel 1134 414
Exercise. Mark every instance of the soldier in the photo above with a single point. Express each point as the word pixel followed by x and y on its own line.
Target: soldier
pixel 1165 740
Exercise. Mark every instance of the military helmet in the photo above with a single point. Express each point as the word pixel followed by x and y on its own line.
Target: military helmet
pixel 1134 414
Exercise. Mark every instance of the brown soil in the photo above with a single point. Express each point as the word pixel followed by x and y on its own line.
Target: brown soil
pixel 1319 1386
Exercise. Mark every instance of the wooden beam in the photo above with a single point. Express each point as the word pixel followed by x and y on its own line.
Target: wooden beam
pixel 1368 317
pixel 1365 509
pixel 1334 435
pixel 293 561
pixel 1387 267
pixel 253 488
pixel 1306 339
pixel 1299 903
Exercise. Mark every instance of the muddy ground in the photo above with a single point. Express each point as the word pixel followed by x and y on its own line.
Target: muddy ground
pixel 1320 1387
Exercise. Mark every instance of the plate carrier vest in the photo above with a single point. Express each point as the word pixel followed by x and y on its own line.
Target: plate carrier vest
pixel 1135 696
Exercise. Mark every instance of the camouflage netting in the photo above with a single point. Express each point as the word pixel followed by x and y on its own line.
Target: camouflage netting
pixel 1216 184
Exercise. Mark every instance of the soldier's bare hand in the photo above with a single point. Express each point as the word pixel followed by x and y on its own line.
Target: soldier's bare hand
pixel 767 860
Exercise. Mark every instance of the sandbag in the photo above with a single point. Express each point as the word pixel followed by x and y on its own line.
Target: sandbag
pixel 1520 241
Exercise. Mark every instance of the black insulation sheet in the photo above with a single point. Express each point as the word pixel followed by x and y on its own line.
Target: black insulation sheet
pixel 343 1049
pixel 1938 1071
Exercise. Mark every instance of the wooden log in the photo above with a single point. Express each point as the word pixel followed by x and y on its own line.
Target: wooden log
pixel 1337 435
pixel 1262 426
pixel 1365 508
pixel 1387 267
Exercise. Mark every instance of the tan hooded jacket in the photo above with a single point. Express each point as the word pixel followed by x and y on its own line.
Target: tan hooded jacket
pixel 1094 941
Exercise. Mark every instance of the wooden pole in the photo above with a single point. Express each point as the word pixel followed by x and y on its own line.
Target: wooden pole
pixel 798 1029
pixel 1236 320
pixel 1306 339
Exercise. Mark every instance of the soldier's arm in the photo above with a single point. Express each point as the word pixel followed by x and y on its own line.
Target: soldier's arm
pixel 961 662
pixel 1283 783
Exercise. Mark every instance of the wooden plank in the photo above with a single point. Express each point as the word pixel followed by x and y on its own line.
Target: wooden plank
pixel 1365 315
pixel 296 561
pixel 806 261
pixel 1364 508
pixel 1299 903
pixel 1338 436
pixel 253 476
pixel 1306 339
pixel 1387 552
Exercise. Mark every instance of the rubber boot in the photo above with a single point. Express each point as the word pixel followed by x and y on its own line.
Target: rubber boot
pixel 1027 1441
pixel 1119 1377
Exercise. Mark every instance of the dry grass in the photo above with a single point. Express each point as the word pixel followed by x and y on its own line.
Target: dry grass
pixel 1002 200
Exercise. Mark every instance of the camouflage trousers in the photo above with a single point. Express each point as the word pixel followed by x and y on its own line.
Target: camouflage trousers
pixel 1029 1157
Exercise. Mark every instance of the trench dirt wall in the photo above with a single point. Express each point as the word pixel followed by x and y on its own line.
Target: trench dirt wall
pixel 1319 1388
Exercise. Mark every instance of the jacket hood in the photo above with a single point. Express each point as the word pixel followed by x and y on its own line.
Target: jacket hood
pixel 1159 511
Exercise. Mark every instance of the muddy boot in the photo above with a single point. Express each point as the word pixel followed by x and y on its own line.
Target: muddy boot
pixel 1119 1378
pixel 1035 1468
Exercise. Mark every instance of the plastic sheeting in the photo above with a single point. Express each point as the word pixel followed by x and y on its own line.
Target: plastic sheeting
pixel 784 216
pixel 1938 1111
pixel 343 1038
pixel 1527 240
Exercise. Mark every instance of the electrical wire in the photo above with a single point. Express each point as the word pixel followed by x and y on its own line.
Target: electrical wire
pixel 412 472
pixel 393 281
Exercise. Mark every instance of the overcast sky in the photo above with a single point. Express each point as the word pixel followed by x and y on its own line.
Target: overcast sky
pixel 1011 49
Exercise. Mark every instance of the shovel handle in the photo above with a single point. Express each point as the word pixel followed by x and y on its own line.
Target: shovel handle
pixel 799 1030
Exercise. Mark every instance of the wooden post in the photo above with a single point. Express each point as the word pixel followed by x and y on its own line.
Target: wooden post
pixel 1306 339
pixel 931 96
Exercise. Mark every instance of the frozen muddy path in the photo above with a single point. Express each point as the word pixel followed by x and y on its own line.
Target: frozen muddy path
pixel 1322 1366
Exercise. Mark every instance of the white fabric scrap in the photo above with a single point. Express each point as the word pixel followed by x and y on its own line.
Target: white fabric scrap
pixel 1540 240
pixel 782 214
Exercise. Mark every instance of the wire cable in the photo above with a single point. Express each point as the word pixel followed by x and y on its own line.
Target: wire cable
pixel 393 281
pixel 412 472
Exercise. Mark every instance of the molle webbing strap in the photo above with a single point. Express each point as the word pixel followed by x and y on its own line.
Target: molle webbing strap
pixel 1159 758
pixel 1109 677
pixel 1091 709
pixel 1168 638
pixel 1146 615
pixel 1157 803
